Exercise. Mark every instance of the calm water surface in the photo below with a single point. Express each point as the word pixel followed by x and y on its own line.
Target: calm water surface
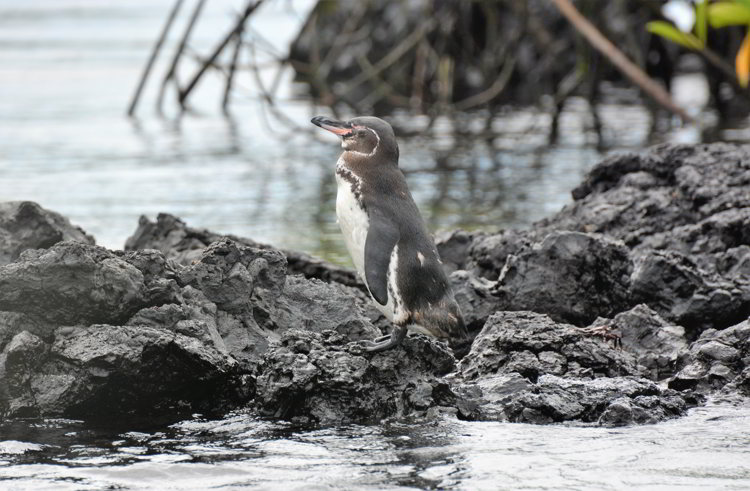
pixel 68 68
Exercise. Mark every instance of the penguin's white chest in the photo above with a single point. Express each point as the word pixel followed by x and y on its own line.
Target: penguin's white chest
pixel 352 220
pixel 354 225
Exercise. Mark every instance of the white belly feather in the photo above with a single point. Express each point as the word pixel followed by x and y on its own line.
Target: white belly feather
pixel 353 222
pixel 354 226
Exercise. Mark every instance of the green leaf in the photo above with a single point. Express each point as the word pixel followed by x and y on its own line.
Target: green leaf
pixel 668 31
pixel 746 3
pixel 701 29
pixel 724 14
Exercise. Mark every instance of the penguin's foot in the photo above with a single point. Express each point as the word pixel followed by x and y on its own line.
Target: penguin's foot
pixel 387 342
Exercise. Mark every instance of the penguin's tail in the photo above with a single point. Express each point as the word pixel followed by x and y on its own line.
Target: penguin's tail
pixel 444 322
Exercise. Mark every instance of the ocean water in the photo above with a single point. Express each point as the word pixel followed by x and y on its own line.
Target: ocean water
pixel 708 449
pixel 67 71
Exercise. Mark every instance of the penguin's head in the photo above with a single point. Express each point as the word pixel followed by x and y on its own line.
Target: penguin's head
pixel 365 135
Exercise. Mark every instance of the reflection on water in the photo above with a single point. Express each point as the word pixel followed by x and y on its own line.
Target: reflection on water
pixel 708 449
pixel 69 67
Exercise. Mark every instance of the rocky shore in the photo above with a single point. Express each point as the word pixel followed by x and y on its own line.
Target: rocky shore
pixel 654 251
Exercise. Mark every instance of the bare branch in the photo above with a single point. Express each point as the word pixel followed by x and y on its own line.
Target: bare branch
pixel 627 67
pixel 152 58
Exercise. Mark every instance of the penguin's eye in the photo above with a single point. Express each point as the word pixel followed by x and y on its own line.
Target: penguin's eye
pixel 361 133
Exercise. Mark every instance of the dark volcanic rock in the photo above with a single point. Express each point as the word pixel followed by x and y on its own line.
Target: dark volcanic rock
pixel 101 372
pixel 146 337
pixel 608 401
pixel 675 287
pixel 74 282
pixel 487 254
pixel 453 248
pixel 252 283
pixel 313 377
pixel 716 359
pixel 26 225
pixel 659 347
pixel 693 199
pixel 534 345
pixel 184 244
pixel 569 276
pixel 683 215
pixel 475 298
pixel 614 401
pixel 227 273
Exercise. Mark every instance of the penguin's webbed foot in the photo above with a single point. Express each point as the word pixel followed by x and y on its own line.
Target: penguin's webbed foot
pixel 386 342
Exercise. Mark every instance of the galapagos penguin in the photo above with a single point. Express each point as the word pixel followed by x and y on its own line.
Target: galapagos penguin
pixel 386 236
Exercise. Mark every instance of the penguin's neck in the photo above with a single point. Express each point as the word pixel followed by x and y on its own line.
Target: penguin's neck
pixel 347 176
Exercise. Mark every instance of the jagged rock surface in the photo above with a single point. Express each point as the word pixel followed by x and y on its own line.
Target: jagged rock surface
pixel 683 215
pixel 716 359
pixel 534 345
pixel 184 244
pixel 659 348
pixel 91 333
pixel 314 377
pixel 26 225
pixel 570 276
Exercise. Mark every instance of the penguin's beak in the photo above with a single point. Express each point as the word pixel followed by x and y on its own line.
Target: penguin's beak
pixel 337 127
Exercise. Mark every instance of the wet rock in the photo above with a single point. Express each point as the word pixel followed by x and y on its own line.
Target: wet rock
pixel 608 401
pixel 100 372
pixel 26 225
pixel 487 254
pixel 715 359
pixel 184 244
pixel 453 248
pixel 659 347
pixel 146 337
pixel 741 384
pixel 675 287
pixel 318 306
pixel 316 378
pixel 697 201
pixel 615 401
pixel 570 276
pixel 227 273
pixel 252 282
pixel 534 345
pixel 74 282
pixel 475 298
pixel 683 215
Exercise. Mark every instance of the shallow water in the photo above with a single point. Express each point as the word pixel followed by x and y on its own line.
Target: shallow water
pixel 708 449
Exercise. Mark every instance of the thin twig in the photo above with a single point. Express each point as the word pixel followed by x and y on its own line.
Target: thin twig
pixel 152 58
pixel 614 55
pixel 400 50
pixel 172 71
pixel 230 75
pixel 184 93
pixel 493 90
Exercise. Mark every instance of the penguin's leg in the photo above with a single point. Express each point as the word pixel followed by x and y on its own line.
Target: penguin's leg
pixel 381 338
pixel 387 342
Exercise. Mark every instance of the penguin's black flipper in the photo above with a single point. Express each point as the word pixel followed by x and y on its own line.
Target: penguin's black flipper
pixel 382 237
